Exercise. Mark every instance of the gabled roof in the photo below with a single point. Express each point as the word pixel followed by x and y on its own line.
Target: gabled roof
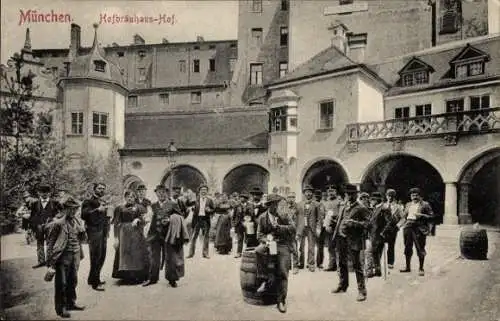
pixel 470 52
pixel 214 130
pixel 416 64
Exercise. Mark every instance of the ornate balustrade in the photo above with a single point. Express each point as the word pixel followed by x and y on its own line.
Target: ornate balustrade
pixel 449 124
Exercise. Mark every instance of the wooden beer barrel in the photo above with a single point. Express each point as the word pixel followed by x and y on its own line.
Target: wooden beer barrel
pixel 474 243
pixel 249 283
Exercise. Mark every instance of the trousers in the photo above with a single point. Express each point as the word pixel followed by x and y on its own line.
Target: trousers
pixel 203 224
pixel 66 280
pixel 311 247
pixel 156 248
pixel 325 238
pixel 413 236
pixel 97 253
pixel 277 276
pixel 391 245
pixel 346 252
pixel 40 244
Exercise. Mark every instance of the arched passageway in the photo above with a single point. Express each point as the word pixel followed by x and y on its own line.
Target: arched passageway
pixel 479 189
pixel 324 173
pixel 131 182
pixel 402 172
pixel 184 176
pixel 244 177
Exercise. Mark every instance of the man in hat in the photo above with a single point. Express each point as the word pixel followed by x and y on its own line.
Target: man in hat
pixel 349 234
pixel 145 203
pixel 390 232
pixel 203 210
pixel 23 213
pixel 156 235
pixel 64 252
pixel 331 207
pixel 43 210
pixel 378 222
pixel 97 223
pixel 275 232
pixel 415 224
pixel 364 199
pixel 309 222
pixel 259 206
pixel 181 202
pixel 244 212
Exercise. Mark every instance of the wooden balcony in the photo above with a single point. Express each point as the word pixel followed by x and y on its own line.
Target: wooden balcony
pixel 447 125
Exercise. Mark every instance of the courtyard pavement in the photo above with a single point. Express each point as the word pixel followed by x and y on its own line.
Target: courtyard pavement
pixel 452 289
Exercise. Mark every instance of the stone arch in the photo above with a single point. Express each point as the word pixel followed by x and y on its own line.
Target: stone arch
pixel 183 175
pixel 478 189
pixel 245 176
pixel 131 182
pixel 322 172
pixel 402 171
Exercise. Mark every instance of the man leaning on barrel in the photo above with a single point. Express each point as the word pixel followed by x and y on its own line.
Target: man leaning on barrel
pixel 275 232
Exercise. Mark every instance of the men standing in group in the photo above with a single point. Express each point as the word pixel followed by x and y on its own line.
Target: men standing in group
pixel 331 207
pixel 43 211
pixel 275 232
pixel 390 232
pixel 243 210
pixel 309 223
pixel 94 214
pixel 349 234
pixel 64 252
pixel 203 210
pixel 415 224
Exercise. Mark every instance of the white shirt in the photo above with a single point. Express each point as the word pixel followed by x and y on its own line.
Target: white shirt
pixel 44 202
pixel 413 209
pixel 203 202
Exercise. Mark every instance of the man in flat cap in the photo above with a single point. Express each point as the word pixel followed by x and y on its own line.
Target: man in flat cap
pixel 204 208
pixel 43 210
pixel 243 212
pixel 390 232
pixel 64 252
pixel 309 222
pixel 415 224
pixel 332 208
pixel 349 234
pixel 378 222
pixel 275 232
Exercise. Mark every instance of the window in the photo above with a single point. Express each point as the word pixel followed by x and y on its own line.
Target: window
pixel 211 63
pixel 196 97
pixel 469 69
pixel 257 36
pixel 255 74
pixel 326 115
pixel 142 74
pixel 232 64
pixel 132 101
pixel 415 78
pixel 182 65
pixel 211 47
pixel 196 65
pixel 100 124
pixel 402 112
pixel 423 110
pixel 278 119
pixel 120 53
pixel 284 36
pixel 256 5
pixel 456 105
pixel 142 54
pixel 284 5
pixel 99 65
pixel 196 47
pixel 283 68
pixel 342 2
pixel 164 98
pixel 479 102
pixel 77 123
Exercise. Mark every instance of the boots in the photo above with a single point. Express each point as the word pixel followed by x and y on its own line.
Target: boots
pixel 408 265
pixel 421 266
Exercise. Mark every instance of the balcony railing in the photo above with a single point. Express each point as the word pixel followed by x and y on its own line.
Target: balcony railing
pixel 465 122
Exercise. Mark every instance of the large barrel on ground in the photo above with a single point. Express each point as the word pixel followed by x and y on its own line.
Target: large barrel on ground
pixel 249 283
pixel 474 243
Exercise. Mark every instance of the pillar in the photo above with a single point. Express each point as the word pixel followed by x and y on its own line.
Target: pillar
pixel 463 206
pixel 450 204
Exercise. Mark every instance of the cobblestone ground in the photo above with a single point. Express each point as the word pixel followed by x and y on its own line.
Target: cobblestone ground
pixel 452 289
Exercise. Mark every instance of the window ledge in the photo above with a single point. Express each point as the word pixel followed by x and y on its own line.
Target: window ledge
pixel 100 136
pixel 284 132
pixel 74 135
pixel 322 130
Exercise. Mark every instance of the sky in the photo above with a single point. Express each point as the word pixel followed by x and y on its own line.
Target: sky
pixel 214 20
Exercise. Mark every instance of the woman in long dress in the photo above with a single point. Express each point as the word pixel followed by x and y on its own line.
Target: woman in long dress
pixel 131 262
pixel 223 242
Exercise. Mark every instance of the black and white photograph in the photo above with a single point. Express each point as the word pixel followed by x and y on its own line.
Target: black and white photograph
pixel 250 160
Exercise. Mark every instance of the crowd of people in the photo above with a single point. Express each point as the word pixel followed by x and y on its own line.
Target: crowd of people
pixel 149 236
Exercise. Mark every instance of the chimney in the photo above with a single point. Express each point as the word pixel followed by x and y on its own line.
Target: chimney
pixel 357 46
pixel 164 40
pixel 493 17
pixel 199 39
pixel 138 40
pixel 339 36
pixel 75 43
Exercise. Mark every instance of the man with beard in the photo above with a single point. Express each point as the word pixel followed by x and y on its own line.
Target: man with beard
pixel 416 217
pixel 243 209
pixel 275 232
pixel 331 207
pixel 349 234
pixel 203 211
pixel 94 214
pixel 42 211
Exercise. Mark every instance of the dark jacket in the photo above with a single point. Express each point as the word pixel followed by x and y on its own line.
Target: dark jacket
pixel 95 220
pixel 421 222
pixel 239 214
pixel 352 224
pixel 57 239
pixel 41 216
pixel 378 222
pixel 314 216
pixel 283 234
pixel 209 209
pixel 161 213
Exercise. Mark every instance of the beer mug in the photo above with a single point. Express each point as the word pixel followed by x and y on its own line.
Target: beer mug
pixel 273 247
pixel 250 227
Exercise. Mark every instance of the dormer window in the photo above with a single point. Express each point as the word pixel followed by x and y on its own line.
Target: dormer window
pixel 415 78
pixel 99 65
pixel 415 72
pixel 469 62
